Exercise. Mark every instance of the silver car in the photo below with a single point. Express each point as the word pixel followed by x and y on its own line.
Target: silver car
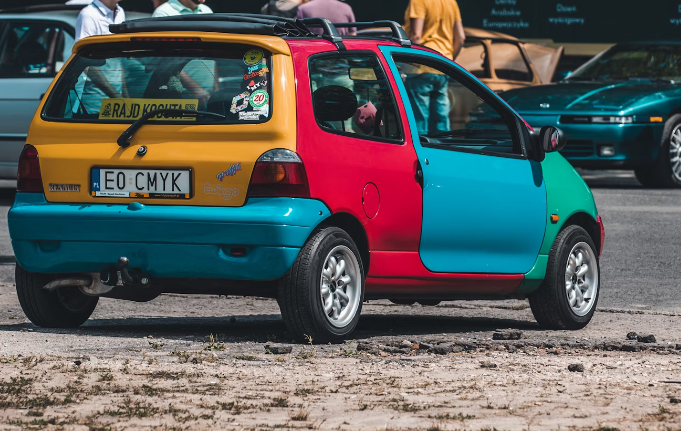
pixel 35 42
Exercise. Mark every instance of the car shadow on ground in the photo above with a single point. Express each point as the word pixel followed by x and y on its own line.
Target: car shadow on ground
pixel 270 327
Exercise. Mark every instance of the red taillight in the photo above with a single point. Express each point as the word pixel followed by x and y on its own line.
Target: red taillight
pixel 275 179
pixel 600 225
pixel 28 176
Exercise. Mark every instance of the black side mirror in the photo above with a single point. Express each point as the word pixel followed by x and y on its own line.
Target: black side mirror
pixel 552 139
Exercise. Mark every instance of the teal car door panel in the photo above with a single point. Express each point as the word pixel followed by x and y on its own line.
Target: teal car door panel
pixel 484 201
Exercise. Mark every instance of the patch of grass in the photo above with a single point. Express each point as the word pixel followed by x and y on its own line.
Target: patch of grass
pixel 16 385
pixel 214 344
pixel 182 356
pixel 235 407
pixel 147 390
pixel 133 409
pixel 106 377
pixel 453 417
pixel 305 354
pixel 300 415
pixel 303 392
pixel 279 402
pixel 155 345
pixel 31 362
pixel 243 357
pixel 35 413
pixel 168 375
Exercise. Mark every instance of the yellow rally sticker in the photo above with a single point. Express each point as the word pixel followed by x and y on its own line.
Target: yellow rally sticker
pixel 132 109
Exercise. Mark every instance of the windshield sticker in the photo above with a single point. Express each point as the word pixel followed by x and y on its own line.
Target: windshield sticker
pixel 236 167
pixel 249 115
pixel 253 56
pixel 133 109
pixel 259 99
pixel 257 73
pixel 257 67
pixel 227 193
pixel 252 86
pixel 236 107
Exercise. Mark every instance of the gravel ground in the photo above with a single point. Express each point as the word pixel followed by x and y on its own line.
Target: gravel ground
pixel 408 367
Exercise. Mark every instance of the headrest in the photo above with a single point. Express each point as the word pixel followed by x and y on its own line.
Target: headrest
pixel 334 103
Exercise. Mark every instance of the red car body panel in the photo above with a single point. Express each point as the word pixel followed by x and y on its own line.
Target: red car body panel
pixel 339 168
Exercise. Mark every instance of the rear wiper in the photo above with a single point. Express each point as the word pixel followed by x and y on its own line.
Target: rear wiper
pixel 124 139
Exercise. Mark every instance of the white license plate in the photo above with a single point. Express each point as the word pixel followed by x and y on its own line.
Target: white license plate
pixel 141 183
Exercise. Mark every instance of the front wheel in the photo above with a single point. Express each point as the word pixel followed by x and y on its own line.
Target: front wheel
pixel 321 296
pixel 568 296
pixel 66 307
pixel 666 172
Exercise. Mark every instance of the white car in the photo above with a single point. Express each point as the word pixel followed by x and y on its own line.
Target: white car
pixel 35 42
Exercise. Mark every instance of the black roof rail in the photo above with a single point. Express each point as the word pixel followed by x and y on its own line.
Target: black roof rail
pixel 42 8
pixel 329 30
pixel 398 34
pixel 218 22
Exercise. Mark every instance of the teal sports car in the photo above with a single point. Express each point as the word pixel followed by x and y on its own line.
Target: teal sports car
pixel 621 110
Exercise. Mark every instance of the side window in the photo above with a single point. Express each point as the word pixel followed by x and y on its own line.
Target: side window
pixel 509 62
pixel 32 50
pixel 351 95
pixel 452 116
pixel 473 57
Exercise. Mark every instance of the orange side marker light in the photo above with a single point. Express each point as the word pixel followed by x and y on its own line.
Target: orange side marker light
pixel 554 218
pixel 656 119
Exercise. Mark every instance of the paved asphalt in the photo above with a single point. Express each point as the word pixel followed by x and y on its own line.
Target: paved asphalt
pixel 641 263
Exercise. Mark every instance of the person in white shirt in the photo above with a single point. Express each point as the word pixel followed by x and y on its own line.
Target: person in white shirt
pixel 104 81
pixel 94 19
pixel 182 7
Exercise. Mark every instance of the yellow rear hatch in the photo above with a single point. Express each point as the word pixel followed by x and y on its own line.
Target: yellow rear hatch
pixel 170 160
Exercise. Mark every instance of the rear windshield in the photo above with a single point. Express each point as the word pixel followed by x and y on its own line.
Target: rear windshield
pixel 118 83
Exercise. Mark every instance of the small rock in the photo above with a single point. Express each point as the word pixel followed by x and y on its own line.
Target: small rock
pixel 678 347
pixel 425 346
pixel 675 400
pixel 576 368
pixel 278 349
pixel 512 349
pixel 507 334
pixel 488 365
pixel 457 349
pixel 650 338
pixel 369 348
pixel 612 346
pixel 442 349
pixel 77 363
pixel 632 336
pixel 407 344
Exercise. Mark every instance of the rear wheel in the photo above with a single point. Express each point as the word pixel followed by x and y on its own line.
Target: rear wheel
pixel 66 307
pixel 321 296
pixel 666 172
pixel 568 296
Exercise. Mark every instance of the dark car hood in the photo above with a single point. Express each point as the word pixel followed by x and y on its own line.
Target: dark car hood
pixel 589 96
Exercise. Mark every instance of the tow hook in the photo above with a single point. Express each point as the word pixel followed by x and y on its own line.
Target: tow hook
pixel 120 276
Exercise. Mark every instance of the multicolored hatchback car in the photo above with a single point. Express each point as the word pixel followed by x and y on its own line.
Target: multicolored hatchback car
pixel 234 154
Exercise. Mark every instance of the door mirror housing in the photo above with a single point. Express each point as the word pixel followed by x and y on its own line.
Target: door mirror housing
pixel 552 139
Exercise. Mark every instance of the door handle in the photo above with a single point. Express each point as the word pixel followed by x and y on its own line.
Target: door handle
pixel 418 175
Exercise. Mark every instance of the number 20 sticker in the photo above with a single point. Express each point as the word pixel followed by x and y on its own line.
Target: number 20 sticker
pixel 259 99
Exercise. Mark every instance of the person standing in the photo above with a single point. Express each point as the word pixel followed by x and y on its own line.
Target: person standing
pixel 282 8
pixel 182 7
pixel 435 24
pixel 95 18
pixel 333 10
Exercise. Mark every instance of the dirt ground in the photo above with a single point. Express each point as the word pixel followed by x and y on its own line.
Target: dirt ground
pixel 154 366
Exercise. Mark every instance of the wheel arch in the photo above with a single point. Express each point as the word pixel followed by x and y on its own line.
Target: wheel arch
pixel 586 222
pixel 355 229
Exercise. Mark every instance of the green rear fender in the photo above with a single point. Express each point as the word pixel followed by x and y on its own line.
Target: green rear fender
pixel 567 196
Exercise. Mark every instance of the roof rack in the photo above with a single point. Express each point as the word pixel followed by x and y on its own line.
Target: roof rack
pixel 42 8
pixel 243 23
pixel 218 22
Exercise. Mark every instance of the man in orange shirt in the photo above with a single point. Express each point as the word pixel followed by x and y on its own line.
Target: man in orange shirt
pixel 437 25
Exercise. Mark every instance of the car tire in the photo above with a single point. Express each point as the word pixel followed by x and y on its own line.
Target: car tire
pixel 666 172
pixel 67 307
pixel 556 305
pixel 314 280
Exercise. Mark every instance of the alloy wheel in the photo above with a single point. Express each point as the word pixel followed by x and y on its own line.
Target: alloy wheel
pixel 340 286
pixel 581 279
pixel 675 152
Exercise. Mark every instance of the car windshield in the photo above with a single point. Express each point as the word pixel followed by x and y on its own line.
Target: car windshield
pixel 122 82
pixel 623 63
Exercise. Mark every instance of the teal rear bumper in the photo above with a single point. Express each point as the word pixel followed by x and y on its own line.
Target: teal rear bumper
pixel 163 241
